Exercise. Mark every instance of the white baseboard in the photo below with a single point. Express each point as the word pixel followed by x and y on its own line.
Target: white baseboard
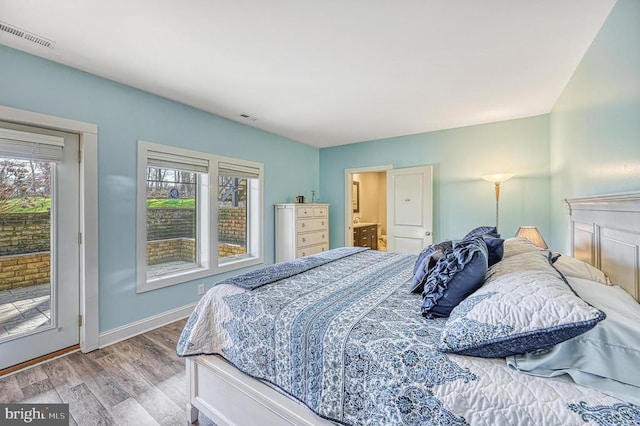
pixel 124 332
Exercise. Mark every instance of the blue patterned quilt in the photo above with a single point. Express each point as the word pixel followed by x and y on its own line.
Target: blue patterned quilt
pixel 348 340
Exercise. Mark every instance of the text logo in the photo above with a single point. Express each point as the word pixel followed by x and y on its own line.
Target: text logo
pixel 34 414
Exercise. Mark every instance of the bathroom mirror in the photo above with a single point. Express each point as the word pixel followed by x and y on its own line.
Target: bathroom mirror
pixel 356 197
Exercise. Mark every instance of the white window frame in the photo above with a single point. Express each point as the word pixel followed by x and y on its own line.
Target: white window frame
pixel 255 214
pixel 207 214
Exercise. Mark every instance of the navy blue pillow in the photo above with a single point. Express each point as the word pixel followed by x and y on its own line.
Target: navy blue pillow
pixel 495 248
pixel 457 274
pixel 482 230
pixel 427 259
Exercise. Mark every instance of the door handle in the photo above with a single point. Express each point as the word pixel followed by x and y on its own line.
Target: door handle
pixel 428 233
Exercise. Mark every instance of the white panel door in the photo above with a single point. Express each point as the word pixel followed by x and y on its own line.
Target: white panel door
pixel 409 209
pixel 39 289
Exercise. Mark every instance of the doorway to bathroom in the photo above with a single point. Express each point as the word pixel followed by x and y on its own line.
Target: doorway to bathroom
pixel 389 209
pixel 369 209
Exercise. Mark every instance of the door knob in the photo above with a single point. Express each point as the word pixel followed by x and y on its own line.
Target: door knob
pixel 428 233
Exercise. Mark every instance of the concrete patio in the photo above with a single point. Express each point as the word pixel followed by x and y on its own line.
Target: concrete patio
pixel 24 309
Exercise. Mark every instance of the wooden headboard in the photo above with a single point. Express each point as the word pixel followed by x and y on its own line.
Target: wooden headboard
pixel 605 232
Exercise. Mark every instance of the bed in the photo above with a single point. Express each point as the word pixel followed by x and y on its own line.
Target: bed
pixel 339 339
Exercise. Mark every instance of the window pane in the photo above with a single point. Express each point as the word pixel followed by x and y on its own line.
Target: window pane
pixel 233 219
pixel 25 246
pixel 172 199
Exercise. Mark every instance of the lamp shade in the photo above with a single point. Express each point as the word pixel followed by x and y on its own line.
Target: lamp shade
pixel 497 178
pixel 532 234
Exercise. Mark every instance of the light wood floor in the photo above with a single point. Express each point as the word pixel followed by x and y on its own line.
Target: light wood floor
pixel 139 381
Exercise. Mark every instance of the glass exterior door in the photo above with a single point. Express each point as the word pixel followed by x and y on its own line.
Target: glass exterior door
pixel 39 255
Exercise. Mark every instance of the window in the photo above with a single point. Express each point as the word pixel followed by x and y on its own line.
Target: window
pixel 184 232
pixel 239 212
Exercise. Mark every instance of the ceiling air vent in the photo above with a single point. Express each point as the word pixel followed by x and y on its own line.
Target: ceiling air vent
pixel 26 35
pixel 248 117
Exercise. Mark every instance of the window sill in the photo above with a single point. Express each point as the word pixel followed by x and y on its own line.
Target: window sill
pixel 238 263
pixel 177 277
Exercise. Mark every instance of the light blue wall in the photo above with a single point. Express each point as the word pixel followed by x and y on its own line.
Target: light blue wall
pixel 462 200
pixel 124 115
pixel 595 125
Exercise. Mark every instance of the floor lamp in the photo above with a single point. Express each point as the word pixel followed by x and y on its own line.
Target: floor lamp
pixel 497 179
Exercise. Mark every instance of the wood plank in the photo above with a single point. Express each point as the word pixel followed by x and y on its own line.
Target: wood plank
pixel 61 373
pixel 153 362
pixel 31 376
pixel 132 380
pixel 161 407
pixel 47 397
pixel 130 413
pixel 102 385
pixel 37 388
pixel 175 388
pixel 10 390
pixel 85 408
pixel 163 339
pixel 33 381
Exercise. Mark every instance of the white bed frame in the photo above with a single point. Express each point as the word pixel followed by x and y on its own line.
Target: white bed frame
pixel 604 231
pixel 228 397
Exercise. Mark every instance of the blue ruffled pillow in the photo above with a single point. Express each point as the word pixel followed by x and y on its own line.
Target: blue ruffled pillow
pixel 427 259
pixel 495 244
pixel 457 274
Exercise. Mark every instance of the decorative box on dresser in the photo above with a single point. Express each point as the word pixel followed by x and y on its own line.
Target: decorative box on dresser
pixel 301 230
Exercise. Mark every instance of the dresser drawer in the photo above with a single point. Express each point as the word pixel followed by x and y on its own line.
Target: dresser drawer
pixel 303 225
pixel 304 211
pixel 309 239
pixel 312 250
pixel 368 230
pixel 320 211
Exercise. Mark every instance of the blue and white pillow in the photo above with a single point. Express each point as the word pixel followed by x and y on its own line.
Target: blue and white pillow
pixel 524 305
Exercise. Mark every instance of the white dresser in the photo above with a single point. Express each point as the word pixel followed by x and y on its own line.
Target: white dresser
pixel 301 230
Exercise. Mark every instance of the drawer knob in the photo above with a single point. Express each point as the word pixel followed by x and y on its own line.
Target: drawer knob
pixel 323 236
pixel 323 223
pixel 303 225
pixel 304 239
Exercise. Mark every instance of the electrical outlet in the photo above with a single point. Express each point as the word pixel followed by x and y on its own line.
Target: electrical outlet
pixel 200 289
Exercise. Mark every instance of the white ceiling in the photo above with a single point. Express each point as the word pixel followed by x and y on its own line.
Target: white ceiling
pixel 326 72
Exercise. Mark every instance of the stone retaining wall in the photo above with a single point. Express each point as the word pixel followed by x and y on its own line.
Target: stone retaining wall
pixel 22 233
pixel 167 223
pixel 24 270
pixel 25 237
pixel 176 249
